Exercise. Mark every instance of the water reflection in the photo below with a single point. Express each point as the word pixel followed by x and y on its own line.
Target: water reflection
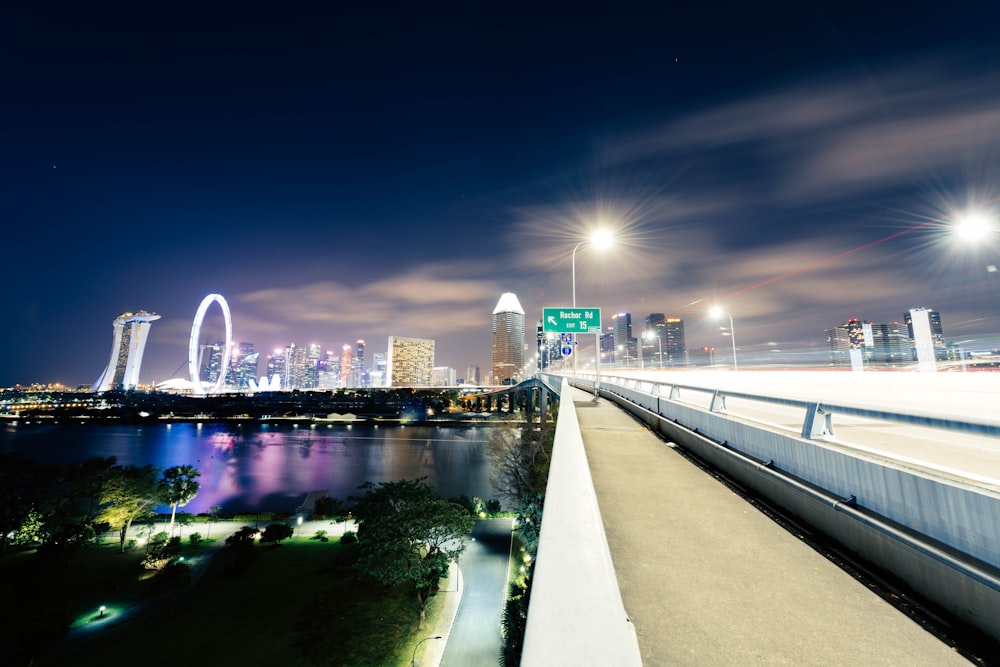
pixel 270 467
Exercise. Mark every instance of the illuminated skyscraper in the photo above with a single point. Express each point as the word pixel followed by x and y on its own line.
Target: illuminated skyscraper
pixel 626 347
pixel 410 362
pixel 843 338
pixel 508 340
pixel 127 345
pixel 932 341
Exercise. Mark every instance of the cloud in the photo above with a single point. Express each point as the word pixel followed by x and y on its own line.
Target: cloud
pixel 840 136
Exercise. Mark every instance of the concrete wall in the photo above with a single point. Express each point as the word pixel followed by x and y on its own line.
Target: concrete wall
pixel 940 537
pixel 576 615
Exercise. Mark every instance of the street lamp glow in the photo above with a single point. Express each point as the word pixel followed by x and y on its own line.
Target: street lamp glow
pixel 600 239
pixel 974 226
pixel 717 312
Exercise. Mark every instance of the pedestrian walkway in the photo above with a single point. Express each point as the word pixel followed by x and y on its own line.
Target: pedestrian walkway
pixel 707 579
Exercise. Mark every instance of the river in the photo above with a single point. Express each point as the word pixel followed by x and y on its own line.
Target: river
pixel 271 468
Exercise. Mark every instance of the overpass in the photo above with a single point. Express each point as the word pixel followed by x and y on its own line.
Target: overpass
pixel 911 489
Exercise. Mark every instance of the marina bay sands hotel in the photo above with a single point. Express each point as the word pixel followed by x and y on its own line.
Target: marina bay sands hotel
pixel 130 333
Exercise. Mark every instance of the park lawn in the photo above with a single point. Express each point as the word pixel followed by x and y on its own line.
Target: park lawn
pixel 297 604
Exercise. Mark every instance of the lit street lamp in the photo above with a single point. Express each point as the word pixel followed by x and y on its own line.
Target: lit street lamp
pixel 650 334
pixel 716 312
pixel 600 239
pixel 413 660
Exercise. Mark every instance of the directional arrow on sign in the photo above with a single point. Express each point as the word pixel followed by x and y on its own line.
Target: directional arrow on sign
pixel 552 321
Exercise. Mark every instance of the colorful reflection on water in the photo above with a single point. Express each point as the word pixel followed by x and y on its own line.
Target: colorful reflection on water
pixel 265 467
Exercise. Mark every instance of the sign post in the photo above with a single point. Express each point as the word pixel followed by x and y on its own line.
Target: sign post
pixel 576 321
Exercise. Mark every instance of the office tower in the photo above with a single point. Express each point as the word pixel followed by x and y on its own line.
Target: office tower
pixel 240 372
pixel 472 374
pixel 376 376
pixel 128 341
pixel 626 347
pixel 362 378
pixel 891 343
pixel 674 345
pixel 932 339
pixel 443 376
pixel 843 338
pixel 346 355
pixel 211 355
pixel 409 362
pixel 926 334
pixel 310 368
pixel 508 340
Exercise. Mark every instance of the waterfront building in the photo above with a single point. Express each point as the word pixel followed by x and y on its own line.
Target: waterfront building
pixel 242 366
pixel 409 362
pixel 130 331
pixel 508 340
pixel 310 372
pixel 210 361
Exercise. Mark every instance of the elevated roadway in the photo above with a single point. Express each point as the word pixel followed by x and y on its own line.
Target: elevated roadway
pixel 707 579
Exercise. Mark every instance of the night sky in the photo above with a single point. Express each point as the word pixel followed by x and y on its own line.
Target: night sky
pixel 358 172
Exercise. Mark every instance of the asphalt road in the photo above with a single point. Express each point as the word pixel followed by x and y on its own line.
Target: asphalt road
pixel 475 638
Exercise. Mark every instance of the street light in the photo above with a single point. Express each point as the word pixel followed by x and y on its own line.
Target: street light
pixel 650 334
pixel 413 660
pixel 717 312
pixel 974 225
pixel 600 239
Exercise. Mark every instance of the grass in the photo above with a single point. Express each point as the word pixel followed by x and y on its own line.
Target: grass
pixel 299 604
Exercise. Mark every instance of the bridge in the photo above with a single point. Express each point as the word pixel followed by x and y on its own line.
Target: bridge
pixel 646 557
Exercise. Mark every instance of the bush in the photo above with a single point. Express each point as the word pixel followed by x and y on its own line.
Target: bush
pixel 195 539
pixel 276 532
pixel 130 543
pixel 320 534
pixel 348 537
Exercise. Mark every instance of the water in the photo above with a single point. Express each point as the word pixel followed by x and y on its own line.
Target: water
pixel 271 468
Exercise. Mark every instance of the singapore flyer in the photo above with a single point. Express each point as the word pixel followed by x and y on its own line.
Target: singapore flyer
pixel 193 348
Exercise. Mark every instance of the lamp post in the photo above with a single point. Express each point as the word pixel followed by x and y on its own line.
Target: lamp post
pixel 717 311
pixel 600 239
pixel 413 660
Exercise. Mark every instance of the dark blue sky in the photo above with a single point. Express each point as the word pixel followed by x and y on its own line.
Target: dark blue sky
pixel 344 173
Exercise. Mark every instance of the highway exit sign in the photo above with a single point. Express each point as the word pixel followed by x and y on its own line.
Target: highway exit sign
pixel 571 320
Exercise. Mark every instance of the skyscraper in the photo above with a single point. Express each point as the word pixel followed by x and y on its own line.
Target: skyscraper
pixel 409 362
pixel 626 348
pixel 843 338
pixel 127 344
pixel 934 345
pixel 508 340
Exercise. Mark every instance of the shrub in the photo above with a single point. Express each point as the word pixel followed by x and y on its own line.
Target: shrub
pixel 320 534
pixel 348 537
pixel 195 539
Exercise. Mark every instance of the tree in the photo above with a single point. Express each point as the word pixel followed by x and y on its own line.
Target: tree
pixel 519 459
pixel 408 535
pixel 18 491
pixel 331 507
pixel 129 494
pixel 178 486
pixel 276 532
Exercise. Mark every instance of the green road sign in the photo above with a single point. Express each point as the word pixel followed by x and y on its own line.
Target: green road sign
pixel 571 320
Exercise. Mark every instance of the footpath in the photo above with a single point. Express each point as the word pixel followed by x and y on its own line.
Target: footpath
pixel 707 579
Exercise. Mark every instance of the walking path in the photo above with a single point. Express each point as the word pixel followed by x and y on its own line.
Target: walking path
pixel 707 579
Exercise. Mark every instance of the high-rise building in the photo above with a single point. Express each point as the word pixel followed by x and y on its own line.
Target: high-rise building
pixel 549 348
pixel 376 376
pixel 346 358
pixel 242 366
pixel 361 378
pixel 128 341
pixel 674 345
pixel 891 344
pixel 626 347
pixel 508 340
pixel 843 338
pixel 409 362
pixel 472 374
pixel 935 343
pixel 443 376
pixel 310 371
pixel 211 361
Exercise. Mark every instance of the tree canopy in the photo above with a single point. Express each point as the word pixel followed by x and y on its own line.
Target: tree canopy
pixel 178 486
pixel 408 534
pixel 129 494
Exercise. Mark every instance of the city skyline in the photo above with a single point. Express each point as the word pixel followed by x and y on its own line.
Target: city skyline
pixel 340 175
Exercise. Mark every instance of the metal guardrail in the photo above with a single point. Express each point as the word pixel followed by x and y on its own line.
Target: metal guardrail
pixel 818 422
